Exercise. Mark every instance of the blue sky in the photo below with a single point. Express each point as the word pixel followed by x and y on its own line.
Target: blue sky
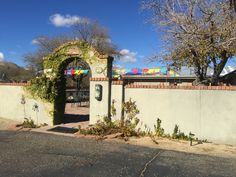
pixel 21 21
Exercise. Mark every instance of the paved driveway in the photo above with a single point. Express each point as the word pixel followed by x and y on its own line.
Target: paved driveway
pixel 33 154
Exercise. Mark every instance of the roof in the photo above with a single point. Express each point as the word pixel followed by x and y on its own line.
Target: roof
pixel 189 71
pixel 228 74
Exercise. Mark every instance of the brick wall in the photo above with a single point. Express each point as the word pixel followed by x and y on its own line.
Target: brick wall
pixel 163 86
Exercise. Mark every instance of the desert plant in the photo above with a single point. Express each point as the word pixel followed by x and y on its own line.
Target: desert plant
pixel 127 128
pixel 28 123
pixel 157 128
pixel 177 134
pixel 130 122
pixel 101 128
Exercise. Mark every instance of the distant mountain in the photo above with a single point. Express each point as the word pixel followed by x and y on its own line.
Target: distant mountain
pixel 11 72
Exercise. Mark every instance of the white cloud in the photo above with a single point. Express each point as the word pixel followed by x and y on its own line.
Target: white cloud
pixel 65 20
pixel 117 66
pixel 38 40
pixel 34 41
pixel 127 56
pixel 1 56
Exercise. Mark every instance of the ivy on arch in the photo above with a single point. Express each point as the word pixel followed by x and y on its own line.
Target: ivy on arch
pixel 51 85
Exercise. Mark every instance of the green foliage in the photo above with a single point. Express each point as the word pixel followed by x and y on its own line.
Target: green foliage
pixel 157 128
pixel 101 128
pixel 129 124
pixel 177 134
pixel 51 90
pixel 28 123
pixel 51 86
pixel 43 88
pixel 131 110
pixel 107 126
pixel 61 54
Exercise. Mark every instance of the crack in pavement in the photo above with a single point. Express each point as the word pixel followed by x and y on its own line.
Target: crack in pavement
pixel 148 163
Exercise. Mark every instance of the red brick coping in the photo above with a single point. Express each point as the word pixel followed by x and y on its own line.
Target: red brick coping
pixel 98 79
pixel 14 84
pixel 117 82
pixel 160 86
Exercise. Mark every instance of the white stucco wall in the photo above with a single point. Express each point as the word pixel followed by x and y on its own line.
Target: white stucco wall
pixel 117 97
pixel 210 114
pixel 99 70
pixel 98 109
pixel 11 107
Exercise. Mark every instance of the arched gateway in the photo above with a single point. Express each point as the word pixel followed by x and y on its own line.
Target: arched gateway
pixel 55 81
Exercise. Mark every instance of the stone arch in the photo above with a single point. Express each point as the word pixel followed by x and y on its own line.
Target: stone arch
pixel 77 49
pixel 55 63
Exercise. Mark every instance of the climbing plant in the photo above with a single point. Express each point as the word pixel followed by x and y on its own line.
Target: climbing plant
pixel 51 85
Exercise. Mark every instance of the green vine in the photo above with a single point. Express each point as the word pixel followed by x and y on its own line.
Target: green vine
pixel 51 85
pixel 43 88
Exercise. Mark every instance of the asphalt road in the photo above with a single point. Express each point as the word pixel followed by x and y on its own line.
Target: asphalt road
pixel 33 154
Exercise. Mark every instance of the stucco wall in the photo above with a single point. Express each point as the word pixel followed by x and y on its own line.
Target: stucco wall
pixel 11 107
pixel 210 114
pixel 98 109
pixel 117 97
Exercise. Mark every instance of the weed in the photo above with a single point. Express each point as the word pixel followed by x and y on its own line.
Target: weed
pixel 177 134
pixel 28 123
pixel 157 128
pixel 127 126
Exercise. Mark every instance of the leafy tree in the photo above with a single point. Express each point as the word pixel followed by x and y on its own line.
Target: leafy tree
pixel 198 33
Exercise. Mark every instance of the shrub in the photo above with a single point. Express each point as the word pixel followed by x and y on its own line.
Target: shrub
pixel 157 128
pixel 127 126
pixel 101 128
pixel 177 134
pixel 28 123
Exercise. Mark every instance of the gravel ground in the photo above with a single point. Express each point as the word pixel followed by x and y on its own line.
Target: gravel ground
pixel 33 154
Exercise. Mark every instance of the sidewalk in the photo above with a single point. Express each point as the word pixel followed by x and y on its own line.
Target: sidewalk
pixel 69 129
pixel 74 117
pixel 7 124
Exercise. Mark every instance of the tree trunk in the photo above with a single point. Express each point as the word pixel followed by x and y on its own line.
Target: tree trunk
pixel 214 80
pixel 200 71
pixel 233 4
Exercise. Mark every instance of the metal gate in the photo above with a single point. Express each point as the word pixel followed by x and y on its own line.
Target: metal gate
pixel 77 97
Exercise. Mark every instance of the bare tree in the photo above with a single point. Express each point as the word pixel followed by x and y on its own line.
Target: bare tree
pixel 45 46
pixel 198 33
pixel 96 35
pixel 91 32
